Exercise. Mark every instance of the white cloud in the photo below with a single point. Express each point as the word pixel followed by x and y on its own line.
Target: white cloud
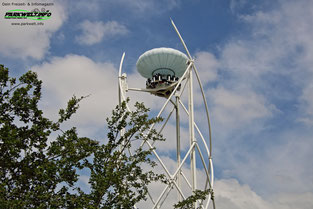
pixel 293 200
pixel 246 60
pixel 237 109
pixel 275 166
pixel 286 167
pixel 286 33
pixel 259 72
pixel 95 32
pixel 79 75
pixel 207 65
pixel 29 41
pixel 86 7
pixel 236 5
pixel 307 105
pixel 265 65
pixel 230 194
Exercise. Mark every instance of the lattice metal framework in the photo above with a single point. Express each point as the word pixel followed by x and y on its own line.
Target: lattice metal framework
pixel 195 153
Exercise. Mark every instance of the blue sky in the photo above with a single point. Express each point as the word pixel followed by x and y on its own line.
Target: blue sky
pixel 255 60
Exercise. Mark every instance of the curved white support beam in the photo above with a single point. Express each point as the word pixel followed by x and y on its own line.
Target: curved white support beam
pixel 181 39
pixel 121 89
pixel 206 108
pixel 207 112
pixel 200 84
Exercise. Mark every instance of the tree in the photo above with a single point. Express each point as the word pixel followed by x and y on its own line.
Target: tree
pixel 37 171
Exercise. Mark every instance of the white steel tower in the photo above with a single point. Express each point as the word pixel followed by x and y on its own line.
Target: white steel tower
pixel 168 72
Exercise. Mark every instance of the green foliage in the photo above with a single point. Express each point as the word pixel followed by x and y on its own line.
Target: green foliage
pixel 119 176
pixel 39 171
pixel 189 202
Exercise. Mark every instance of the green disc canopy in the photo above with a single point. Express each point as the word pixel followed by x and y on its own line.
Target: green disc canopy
pixel 165 61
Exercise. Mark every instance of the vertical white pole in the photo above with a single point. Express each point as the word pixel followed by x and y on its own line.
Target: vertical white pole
pixel 121 90
pixel 178 143
pixel 120 81
pixel 192 134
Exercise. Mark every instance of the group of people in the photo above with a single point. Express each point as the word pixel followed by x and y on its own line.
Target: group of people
pixel 160 79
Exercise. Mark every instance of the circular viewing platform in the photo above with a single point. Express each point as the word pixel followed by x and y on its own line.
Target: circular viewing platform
pixel 162 67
